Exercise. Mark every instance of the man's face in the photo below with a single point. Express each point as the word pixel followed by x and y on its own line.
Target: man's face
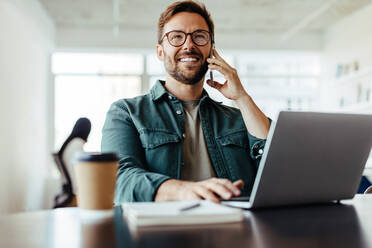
pixel 187 63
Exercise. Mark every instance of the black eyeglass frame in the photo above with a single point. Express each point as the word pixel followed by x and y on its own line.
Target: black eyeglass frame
pixel 186 34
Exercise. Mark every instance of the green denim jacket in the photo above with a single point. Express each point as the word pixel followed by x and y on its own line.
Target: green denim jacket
pixel 146 133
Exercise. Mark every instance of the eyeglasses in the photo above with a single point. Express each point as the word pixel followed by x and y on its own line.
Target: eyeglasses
pixel 178 38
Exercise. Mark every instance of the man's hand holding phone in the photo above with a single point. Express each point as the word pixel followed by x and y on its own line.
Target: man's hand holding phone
pixel 232 88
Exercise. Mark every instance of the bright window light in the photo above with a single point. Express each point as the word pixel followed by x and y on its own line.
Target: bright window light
pixel 86 85
pixel 91 63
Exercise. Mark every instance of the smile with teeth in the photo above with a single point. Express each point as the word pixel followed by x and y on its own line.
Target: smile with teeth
pixel 188 59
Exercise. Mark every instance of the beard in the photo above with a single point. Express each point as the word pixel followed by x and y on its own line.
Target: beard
pixel 189 75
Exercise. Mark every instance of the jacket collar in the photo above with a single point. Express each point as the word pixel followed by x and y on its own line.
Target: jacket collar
pixel 158 91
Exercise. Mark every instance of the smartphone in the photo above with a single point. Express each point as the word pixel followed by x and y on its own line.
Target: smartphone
pixel 210 71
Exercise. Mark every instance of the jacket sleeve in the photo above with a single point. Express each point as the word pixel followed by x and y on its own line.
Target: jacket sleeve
pixel 257 146
pixel 134 181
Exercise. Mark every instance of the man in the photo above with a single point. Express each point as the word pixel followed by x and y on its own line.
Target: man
pixel 176 143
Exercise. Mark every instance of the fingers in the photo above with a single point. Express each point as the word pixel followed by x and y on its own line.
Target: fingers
pixel 220 189
pixel 216 85
pixel 227 71
pixel 215 189
pixel 219 68
pixel 217 55
pixel 214 61
pixel 223 187
pixel 206 194
pixel 218 60
pixel 229 185
pixel 239 183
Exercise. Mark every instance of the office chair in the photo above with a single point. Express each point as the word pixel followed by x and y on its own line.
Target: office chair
pixel 64 161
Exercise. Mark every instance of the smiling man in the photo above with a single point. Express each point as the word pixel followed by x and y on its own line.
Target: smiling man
pixel 176 143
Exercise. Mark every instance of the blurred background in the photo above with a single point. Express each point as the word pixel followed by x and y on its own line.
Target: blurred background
pixel 65 59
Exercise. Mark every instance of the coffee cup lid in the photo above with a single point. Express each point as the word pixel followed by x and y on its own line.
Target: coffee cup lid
pixel 96 157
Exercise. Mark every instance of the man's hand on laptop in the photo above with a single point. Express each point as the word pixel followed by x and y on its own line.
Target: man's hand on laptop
pixel 213 189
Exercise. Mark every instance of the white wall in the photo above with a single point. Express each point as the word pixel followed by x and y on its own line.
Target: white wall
pixel 347 41
pixel 26 43
pixel 351 39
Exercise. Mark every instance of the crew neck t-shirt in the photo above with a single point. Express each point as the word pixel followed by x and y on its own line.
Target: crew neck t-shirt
pixel 196 164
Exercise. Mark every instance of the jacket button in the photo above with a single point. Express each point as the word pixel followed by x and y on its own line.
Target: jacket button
pixel 260 151
pixel 179 112
pixel 184 135
pixel 170 97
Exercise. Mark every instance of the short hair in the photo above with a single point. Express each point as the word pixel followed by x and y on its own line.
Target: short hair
pixel 185 6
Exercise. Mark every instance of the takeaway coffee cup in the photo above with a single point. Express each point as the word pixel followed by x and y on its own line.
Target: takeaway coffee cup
pixel 95 177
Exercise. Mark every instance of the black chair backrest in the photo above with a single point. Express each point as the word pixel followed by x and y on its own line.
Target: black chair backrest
pixel 81 130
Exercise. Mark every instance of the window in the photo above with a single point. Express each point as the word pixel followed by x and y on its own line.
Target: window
pixel 87 84
pixel 154 68
pixel 280 80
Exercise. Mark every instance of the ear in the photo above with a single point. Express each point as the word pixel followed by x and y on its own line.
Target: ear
pixel 160 52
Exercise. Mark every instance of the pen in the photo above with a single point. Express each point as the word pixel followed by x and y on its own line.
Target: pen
pixel 189 207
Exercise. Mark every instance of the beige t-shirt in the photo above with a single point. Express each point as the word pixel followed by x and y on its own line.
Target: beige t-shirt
pixel 196 165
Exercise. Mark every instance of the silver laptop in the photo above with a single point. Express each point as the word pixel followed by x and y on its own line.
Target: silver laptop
pixel 311 158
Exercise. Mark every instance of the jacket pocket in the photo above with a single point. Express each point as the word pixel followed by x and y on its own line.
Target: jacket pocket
pixel 153 138
pixel 162 151
pixel 235 149
pixel 238 138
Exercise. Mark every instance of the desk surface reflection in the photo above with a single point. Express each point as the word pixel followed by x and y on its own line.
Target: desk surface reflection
pixel 335 225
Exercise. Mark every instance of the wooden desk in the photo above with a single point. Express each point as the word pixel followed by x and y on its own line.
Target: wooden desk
pixel 345 225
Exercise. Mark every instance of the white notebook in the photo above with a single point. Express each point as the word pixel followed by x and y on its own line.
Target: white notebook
pixel 175 213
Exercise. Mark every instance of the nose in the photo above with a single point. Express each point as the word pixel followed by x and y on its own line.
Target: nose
pixel 188 43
